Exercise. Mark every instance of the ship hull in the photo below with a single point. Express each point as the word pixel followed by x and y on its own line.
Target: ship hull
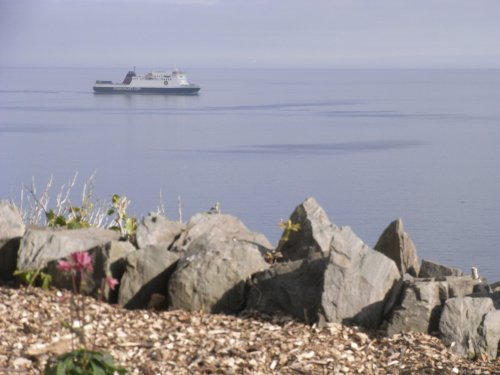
pixel 122 89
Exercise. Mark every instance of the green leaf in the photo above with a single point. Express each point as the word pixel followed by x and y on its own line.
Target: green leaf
pixel 61 367
pixel 130 225
pixel 110 212
pixel 23 275
pixel 74 225
pixel 50 215
pixel 60 221
pixel 115 199
pixel 46 280
pixel 96 368
pixel 26 276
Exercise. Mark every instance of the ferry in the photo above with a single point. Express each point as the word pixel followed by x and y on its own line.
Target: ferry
pixel 174 82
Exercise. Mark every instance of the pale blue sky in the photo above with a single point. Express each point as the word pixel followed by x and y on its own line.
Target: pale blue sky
pixel 251 33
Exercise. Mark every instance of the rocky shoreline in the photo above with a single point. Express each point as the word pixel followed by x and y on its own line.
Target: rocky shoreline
pixel 320 275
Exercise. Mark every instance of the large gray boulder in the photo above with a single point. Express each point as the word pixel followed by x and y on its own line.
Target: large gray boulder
pixel 432 269
pixel 108 260
pixel 157 230
pixel 462 325
pixel 357 282
pixel 422 300
pixel 313 238
pixel 397 245
pixel 293 288
pixel 147 273
pixel 42 245
pixel 223 227
pixel 211 277
pixel 12 229
pixel 351 285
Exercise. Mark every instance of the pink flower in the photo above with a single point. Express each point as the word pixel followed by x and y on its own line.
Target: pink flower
pixel 64 266
pixel 111 282
pixel 82 261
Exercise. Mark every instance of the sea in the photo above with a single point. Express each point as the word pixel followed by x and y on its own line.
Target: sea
pixel 369 145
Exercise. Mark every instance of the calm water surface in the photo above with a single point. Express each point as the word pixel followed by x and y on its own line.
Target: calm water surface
pixel 369 145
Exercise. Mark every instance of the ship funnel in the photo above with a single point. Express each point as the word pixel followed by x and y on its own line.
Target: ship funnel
pixel 128 77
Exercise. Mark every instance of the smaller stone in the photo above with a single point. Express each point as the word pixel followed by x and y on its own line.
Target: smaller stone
pixel 147 272
pixel 432 269
pixel 462 323
pixel 21 362
pixel 157 230
pixel 397 245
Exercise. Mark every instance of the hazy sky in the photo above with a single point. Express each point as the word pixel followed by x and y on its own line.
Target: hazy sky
pixel 251 33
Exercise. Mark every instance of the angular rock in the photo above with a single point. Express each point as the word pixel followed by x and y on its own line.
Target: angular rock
pixel 313 238
pixel 108 260
pixel 11 222
pixel 157 230
pixel 12 229
pixel 357 281
pixel 420 308
pixel 495 287
pixel 397 245
pixel 352 284
pixel 432 269
pixel 482 288
pixel 147 273
pixel 461 324
pixel 40 246
pixel 421 303
pixel 460 286
pixel 211 277
pixel 224 227
pixel 495 296
pixel 291 287
pixel 491 334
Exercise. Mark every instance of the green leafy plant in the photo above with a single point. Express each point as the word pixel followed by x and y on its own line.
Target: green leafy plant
pixel 127 225
pixel 288 227
pixel 34 277
pixel 75 219
pixel 81 360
